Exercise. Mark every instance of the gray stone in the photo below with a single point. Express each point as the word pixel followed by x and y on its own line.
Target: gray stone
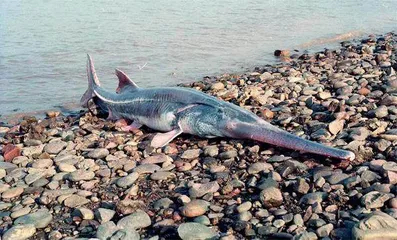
pixel 104 215
pixel 305 236
pixel 244 207
pixel 136 220
pixel 195 231
pixel 7 166
pixel 199 190
pixel 228 154
pixel 55 147
pixel 191 154
pixel 377 225
pixel 128 180
pixel 245 216
pixel 147 168
pixel 75 201
pixel 162 175
pixel 202 220
pixel 106 230
pixel 32 177
pixel 325 230
pixel 98 153
pixel 160 158
pixel 163 203
pixel 85 213
pixel 126 234
pixel 337 178
pixel 19 232
pixel 311 198
pixel 259 167
pixel 375 199
pixel 80 175
pixel 271 197
pixel 40 219
pixel 211 151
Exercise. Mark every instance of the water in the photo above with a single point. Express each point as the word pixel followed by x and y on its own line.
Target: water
pixel 43 43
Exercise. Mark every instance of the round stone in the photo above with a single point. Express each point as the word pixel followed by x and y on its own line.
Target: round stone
pixel 195 231
pixel 40 219
pixel 195 208
pixel 19 232
pixel 136 220
pixel 12 192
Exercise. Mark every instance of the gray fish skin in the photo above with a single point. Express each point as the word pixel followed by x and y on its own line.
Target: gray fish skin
pixel 176 110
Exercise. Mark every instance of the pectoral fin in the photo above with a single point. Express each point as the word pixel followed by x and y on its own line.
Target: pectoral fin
pixel 132 127
pixel 162 139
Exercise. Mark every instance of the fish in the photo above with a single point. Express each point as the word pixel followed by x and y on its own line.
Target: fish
pixel 175 110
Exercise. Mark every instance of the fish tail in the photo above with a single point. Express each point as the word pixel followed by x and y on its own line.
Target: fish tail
pixel 93 82
pixel 267 133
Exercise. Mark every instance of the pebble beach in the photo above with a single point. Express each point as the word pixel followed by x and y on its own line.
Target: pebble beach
pixel 79 176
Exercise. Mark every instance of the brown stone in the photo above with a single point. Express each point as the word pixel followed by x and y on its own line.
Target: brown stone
pixel 10 151
pixel 364 91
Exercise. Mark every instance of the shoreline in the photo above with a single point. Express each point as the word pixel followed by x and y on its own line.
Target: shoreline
pixel 310 47
pixel 78 176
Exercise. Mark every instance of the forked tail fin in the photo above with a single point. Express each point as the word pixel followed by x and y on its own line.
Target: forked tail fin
pixel 93 82
pixel 267 133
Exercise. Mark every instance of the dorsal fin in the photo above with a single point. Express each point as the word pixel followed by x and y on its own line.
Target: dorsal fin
pixel 124 81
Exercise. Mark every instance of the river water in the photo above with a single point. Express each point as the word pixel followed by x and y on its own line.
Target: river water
pixel 43 43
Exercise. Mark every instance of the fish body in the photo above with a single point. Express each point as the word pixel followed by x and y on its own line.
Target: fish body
pixel 176 110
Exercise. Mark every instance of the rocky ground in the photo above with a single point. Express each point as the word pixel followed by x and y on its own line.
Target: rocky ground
pixel 69 177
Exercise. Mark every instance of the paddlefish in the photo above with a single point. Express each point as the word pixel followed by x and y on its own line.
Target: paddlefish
pixel 176 110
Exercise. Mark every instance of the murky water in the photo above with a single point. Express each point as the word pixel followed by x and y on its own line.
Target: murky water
pixel 43 43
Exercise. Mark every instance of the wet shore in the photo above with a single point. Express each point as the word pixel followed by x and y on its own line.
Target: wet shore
pixel 79 177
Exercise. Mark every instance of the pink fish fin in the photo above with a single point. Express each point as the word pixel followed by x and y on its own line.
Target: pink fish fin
pixel 162 139
pixel 124 81
pixel 132 127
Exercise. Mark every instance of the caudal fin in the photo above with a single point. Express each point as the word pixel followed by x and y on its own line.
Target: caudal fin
pixel 92 82
pixel 265 132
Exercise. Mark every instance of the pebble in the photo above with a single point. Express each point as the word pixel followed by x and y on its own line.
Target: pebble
pixel 195 208
pixel 104 215
pixel 199 190
pixel 65 167
pixel 191 154
pixel 75 201
pixel 85 213
pixel 311 198
pixel 98 153
pixel 42 163
pixel 271 197
pixel 12 192
pixel 162 175
pixel 147 168
pixel 19 232
pixel 195 231
pixel 136 220
pixel 106 230
pixel 301 186
pixel 156 159
pixel 211 151
pixel 375 199
pixel 80 175
pixel 228 154
pixel 20 212
pixel 128 180
pixel 40 219
pixel 325 230
pixel 376 225
pixel 244 207
pixel 260 167
pixel 55 147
